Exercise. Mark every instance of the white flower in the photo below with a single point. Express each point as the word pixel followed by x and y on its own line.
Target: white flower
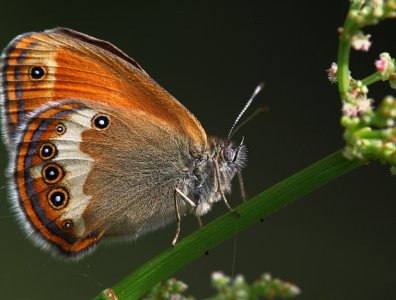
pixel 363 104
pixel 361 42
pixel 332 73
pixel 378 10
pixel 218 275
pixel 349 110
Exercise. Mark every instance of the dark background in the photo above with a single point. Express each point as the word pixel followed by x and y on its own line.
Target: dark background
pixel 336 243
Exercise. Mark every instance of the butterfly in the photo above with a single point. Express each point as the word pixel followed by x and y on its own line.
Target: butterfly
pixel 98 149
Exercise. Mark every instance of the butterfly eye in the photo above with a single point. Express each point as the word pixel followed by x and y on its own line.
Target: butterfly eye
pixel 52 173
pixel 47 151
pixel 58 198
pixel 67 224
pixel 101 121
pixel 228 154
pixel 37 73
pixel 60 129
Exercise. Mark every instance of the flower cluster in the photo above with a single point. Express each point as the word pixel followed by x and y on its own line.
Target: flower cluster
pixel 172 289
pixel 370 12
pixel 370 132
pixel 265 287
pixel 352 110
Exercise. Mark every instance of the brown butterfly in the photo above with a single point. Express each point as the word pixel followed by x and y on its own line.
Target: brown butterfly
pixel 98 148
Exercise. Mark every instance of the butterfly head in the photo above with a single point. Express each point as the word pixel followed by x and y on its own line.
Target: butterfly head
pixel 233 155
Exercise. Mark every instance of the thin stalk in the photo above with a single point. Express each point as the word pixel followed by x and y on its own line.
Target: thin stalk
pixel 344 50
pixel 373 78
pixel 372 134
pixel 139 282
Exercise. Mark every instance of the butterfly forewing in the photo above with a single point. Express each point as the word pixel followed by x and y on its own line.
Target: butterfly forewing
pixel 59 64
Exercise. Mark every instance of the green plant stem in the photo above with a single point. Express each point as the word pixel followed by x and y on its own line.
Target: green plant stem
pixel 139 282
pixel 344 50
pixel 373 78
pixel 372 134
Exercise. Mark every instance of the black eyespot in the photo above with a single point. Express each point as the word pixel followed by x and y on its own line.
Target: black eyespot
pixel 47 151
pixel 60 129
pixel 37 72
pixel 52 173
pixel 67 224
pixel 58 198
pixel 101 121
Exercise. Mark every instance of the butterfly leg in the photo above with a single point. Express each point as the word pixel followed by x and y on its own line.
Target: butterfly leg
pixel 178 219
pixel 177 210
pixel 241 187
pixel 199 220
pixel 221 190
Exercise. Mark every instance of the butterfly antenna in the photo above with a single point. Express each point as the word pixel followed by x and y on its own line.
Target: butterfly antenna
pixel 255 93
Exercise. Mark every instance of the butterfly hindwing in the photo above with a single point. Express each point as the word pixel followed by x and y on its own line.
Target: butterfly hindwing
pixel 49 172
pixel 83 172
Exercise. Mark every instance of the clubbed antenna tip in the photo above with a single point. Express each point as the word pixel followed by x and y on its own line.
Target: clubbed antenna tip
pixel 255 93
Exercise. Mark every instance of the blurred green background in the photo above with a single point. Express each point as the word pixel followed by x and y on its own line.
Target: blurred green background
pixel 336 243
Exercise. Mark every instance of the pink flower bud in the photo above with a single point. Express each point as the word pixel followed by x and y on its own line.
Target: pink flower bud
pixel 381 65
